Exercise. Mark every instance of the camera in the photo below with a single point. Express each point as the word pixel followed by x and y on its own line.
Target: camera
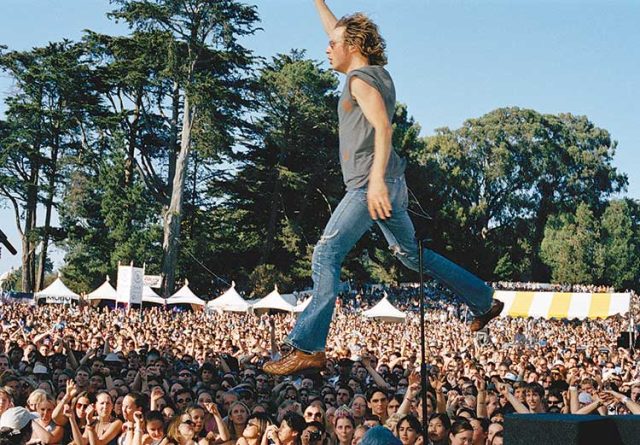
pixel 315 435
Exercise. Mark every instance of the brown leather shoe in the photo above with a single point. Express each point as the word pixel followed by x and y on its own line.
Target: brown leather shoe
pixel 481 321
pixel 296 361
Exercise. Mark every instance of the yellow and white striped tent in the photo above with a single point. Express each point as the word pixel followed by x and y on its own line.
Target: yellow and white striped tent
pixel 563 304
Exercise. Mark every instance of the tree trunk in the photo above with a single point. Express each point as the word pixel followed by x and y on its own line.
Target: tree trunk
pixel 28 245
pixel 134 128
pixel 174 212
pixel 192 212
pixel 173 148
pixel 538 268
pixel 267 247
pixel 42 261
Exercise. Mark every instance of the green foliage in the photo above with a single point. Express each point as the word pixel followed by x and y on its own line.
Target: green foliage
pixel 621 243
pixel 499 178
pixel 47 118
pixel 108 223
pixel 94 130
pixel 571 247
pixel 287 175
pixel 265 278
pixel 582 248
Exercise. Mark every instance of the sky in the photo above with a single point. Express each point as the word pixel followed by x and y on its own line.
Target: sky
pixel 450 59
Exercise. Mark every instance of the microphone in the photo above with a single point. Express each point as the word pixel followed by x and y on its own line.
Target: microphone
pixel 7 244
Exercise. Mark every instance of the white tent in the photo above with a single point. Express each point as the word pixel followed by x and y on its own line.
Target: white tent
pixel 303 305
pixel 292 299
pixel 150 296
pixel 57 292
pixel 104 292
pixel 230 301
pixel 273 301
pixel 185 296
pixel 385 311
pixel 5 276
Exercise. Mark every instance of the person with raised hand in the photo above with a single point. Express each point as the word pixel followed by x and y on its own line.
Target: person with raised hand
pixel 376 193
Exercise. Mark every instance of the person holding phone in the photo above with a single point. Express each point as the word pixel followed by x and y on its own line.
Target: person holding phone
pixel 313 434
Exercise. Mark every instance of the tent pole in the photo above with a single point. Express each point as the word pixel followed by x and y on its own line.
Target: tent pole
pixel 632 332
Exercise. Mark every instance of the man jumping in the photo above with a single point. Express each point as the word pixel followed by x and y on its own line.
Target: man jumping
pixel 376 192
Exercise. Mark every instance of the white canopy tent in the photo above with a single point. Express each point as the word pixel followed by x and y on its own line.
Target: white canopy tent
pixel 229 301
pixel 150 296
pixel 5 277
pixel 185 296
pixel 274 301
pixel 303 305
pixel 57 292
pixel 385 311
pixel 292 299
pixel 104 292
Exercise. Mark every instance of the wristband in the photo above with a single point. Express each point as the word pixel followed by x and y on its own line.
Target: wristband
pixel 625 400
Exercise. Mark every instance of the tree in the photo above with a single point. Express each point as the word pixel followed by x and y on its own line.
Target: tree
pixel 45 121
pixel 621 244
pixel 287 175
pixel 208 67
pixel 571 247
pixel 499 178
pixel 108 223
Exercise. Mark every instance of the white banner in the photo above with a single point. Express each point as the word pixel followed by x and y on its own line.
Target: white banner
pixel 58 300
pixel 153 281
pixel 130 284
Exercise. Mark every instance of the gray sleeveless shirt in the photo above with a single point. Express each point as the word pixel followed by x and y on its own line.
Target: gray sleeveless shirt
pixel 357 134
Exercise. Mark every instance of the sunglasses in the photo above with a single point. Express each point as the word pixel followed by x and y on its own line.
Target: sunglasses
pixel 554 402
pixel 82 405
pixel 188 422
pixel 188 400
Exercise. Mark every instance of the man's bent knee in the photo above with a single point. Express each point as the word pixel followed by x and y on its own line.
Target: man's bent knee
pixel 326 237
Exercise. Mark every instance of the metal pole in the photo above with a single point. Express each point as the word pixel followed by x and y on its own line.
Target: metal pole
pixel 423 362
pixel 632 334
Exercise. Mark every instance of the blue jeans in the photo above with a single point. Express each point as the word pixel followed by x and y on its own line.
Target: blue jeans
pixel 349 222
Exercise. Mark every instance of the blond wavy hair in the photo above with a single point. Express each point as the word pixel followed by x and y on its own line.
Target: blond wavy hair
pixel 362 33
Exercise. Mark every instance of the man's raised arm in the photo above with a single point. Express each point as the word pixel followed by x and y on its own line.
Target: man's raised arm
pixel 326 16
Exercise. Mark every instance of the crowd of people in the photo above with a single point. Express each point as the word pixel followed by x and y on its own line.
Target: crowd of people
pixel 86 375
pixel 551 287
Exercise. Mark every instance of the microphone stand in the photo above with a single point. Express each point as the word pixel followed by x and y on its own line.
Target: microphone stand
pixel 423 362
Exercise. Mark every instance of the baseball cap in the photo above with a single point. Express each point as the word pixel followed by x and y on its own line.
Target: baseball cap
pixel 16 418
pixel 510 376
pixel 585 397
pixel 40 369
